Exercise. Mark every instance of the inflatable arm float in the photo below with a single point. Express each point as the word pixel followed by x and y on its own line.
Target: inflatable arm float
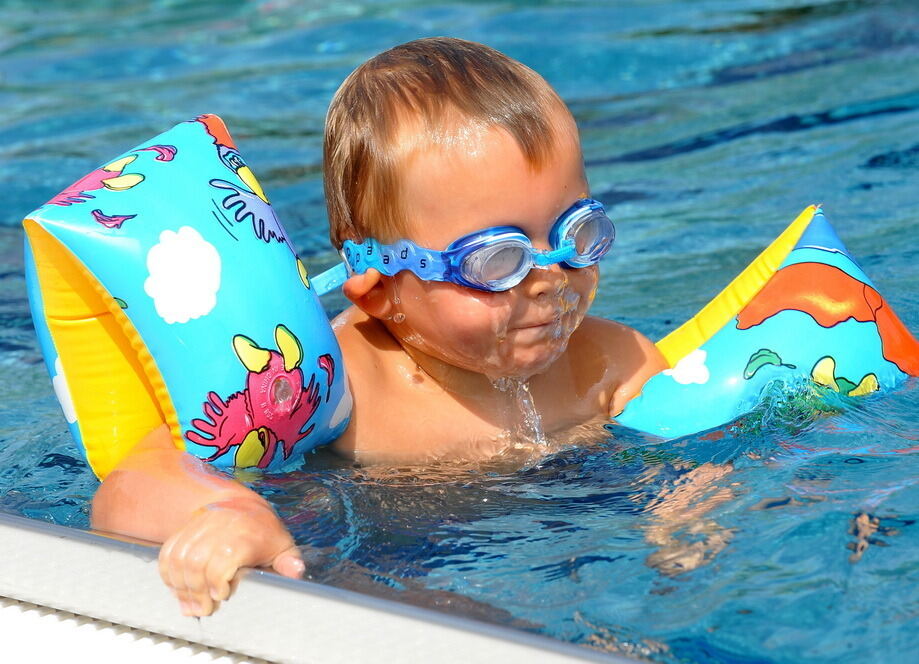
pixel 803 309
pixel 164 289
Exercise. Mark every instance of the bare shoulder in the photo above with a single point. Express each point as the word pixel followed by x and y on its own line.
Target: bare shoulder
pixel 630 356
pixel 617 338
pixel 347 327
pixel 363 341
pixel 364 344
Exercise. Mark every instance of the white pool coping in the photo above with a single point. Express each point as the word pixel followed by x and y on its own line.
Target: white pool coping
pixel 33 633
pixel 269 617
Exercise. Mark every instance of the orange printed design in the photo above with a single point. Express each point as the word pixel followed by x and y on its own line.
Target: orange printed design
pixel 214 126
pixel 830 296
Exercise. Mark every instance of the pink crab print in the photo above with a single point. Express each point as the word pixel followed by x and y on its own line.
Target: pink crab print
pixel 111 221
pixel 272 410
pixel 111 176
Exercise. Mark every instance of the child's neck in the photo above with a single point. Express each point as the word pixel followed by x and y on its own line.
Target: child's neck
pixel 506 400
pixel 458 381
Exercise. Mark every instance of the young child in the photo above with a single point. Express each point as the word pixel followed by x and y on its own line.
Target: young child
pixel 438 145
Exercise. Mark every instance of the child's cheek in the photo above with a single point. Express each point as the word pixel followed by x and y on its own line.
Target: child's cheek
pixel 585 284
pixel 476 321
pixel 588 279
pixel 460 326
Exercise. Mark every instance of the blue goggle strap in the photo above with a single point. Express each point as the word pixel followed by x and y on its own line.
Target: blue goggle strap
pixel 387 259
pixel 390 259
pixel 330 280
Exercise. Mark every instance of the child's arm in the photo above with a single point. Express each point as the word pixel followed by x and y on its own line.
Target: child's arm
pixel 630 357
pixel 210 525
pixel 644 360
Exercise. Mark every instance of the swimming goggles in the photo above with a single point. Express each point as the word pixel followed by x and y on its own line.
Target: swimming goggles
pixel 492 259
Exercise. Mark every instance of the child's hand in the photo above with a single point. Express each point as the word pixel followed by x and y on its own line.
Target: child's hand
pixel 200 561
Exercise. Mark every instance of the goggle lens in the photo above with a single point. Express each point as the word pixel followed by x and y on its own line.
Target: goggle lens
pixel 592 236
pixel 498 266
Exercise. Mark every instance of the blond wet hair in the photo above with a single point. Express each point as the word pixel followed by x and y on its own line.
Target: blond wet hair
pixel 427 87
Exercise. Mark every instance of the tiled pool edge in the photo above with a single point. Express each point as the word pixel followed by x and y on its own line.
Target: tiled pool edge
pixel 270 617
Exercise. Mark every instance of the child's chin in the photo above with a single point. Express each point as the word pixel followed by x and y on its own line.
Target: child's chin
pixel 535 361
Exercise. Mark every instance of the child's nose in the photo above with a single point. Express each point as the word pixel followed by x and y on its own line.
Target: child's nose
pixel 548 280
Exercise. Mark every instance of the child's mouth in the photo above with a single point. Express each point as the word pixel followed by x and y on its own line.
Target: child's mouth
pixel 545 322
pixel 541 330
pixel 551 321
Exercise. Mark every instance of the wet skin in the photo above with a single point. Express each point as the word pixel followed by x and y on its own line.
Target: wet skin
pixel 423 357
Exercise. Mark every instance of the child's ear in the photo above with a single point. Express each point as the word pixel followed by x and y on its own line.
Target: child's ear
pixel 368 292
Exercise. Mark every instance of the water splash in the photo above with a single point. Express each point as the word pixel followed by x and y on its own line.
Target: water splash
pixel 528 426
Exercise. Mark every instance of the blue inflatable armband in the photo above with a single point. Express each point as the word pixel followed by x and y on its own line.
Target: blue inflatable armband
pixel 803 309
pixel 164 289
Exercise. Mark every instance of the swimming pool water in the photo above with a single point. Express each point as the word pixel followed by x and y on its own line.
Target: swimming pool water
pixel 789 536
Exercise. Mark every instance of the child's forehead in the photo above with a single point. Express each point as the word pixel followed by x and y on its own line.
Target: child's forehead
pixel 482 178
pixel 462 159
pixel 453 134
pixel 450 131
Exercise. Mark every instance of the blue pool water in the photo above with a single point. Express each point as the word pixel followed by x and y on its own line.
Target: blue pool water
pixel 707 126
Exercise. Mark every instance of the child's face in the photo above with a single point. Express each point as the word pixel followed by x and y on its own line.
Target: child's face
pixel 474 179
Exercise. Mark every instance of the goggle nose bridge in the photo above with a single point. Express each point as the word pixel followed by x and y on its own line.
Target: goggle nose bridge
pixel 544 259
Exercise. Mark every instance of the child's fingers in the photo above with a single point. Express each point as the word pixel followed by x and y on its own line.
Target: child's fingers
pixel 193 601
pixel 201 561
pixel 289 563
pixel 182 563
pixel 194 560
pixel 221 569
pixel 165 560
pixel 171 572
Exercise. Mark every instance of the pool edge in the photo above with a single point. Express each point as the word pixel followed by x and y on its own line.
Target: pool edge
pixel 269 617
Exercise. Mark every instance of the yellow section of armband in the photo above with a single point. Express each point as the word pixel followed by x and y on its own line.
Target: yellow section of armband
pixel 736 295
pixel 117 390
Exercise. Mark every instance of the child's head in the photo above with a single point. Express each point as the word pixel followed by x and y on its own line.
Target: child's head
pixel 433 140
pixel 412 98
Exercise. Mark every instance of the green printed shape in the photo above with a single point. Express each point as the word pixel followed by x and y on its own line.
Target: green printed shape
pixel 761 358
pixel 845 385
